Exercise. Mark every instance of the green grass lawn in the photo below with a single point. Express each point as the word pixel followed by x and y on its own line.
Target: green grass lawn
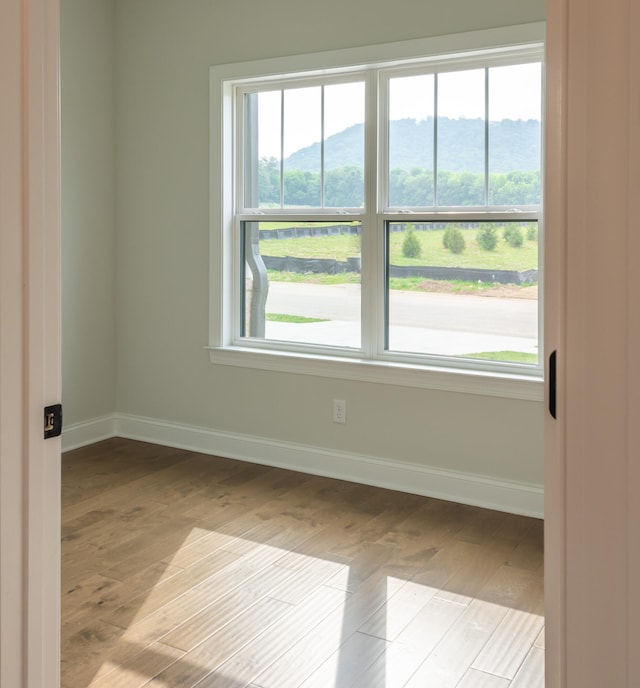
pixel 334 247
pixel 510 356
pixel 400 283
pixel 433 253
pixel 451 286
pixel 300 319
pixel 314 278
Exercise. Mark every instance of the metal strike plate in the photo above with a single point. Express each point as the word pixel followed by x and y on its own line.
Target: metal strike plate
pixel 52 421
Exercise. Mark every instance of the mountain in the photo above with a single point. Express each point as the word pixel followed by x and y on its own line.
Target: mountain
pixel 513 145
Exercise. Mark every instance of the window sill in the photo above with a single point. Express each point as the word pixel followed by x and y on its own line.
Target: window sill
pixel 509 386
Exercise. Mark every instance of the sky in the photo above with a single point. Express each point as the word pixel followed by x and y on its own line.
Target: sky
pixel 515 93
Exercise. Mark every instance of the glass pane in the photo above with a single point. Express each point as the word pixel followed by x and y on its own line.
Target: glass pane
pixel 515 112
pixel 301 282
pixel 344 145
pixel 262 149
pixel 467 290
pixel 302 150
pixel 411 135
pixel 461 138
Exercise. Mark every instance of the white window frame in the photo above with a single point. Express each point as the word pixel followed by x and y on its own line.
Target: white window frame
pixel 368 364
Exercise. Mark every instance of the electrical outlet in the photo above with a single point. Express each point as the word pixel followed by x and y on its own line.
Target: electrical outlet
pixel 339 411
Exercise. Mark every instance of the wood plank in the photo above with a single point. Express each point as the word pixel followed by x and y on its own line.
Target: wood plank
pixel 529 552
pixel 455 653
pixel 511 587
pixel 531 673
pixel 412 646
pixel 344 666
pixel 311 650
pixel 478 679
pixel 138 670
pixel 398 611
pixel 165 592
pixel 269 642
pixel 392 669
pixel 197 665
pixel 139 487
pixel 87 597
pixel 143 582
pixel 171 609
pixel 304 581
pixel 470 566
pixel 510 644
pixel 482 527
pixel 88 648
pixel 212 617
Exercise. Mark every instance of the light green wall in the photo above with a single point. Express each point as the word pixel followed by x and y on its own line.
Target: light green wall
pixel 88 209
pixel 163 50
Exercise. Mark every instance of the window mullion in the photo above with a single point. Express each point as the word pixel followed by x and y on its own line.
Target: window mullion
pixel 282 148
pixel 486 136
pixel 250 153
pixel 322 138
pixel 435 140
pixel 372 288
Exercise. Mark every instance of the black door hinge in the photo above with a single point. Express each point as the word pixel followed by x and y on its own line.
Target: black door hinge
pixel 52 421
pixel 552 384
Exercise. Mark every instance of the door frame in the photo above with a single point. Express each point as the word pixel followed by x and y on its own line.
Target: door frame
pixel 581 36
pixel 30 343
pixel 592 303
pixel 555 166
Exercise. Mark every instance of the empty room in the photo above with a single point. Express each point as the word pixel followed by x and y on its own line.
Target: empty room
pixel 305 271
pixel 325 473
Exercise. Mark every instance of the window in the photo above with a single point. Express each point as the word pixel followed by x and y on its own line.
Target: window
pixel 382 218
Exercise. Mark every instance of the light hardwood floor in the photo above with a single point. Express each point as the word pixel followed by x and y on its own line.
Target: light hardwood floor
pixel 182 570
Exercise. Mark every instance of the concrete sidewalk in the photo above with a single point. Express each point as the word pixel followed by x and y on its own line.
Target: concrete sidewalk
pixel 420 322
pixel 402 339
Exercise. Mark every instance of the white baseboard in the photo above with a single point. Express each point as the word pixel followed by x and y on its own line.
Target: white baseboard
pixel 90 431
pixel 512 497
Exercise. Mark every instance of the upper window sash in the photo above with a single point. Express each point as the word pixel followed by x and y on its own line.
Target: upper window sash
pixel 269 122
pixel 427 102
pixel 253 167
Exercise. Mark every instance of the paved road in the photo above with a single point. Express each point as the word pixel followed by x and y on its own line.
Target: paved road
pixel 421 322
pixel 452 312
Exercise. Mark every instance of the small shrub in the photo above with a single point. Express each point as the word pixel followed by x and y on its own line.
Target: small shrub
pixel 487 236
pixel 532 233
pixel 411 247
pixel 454 241
pixel 513 236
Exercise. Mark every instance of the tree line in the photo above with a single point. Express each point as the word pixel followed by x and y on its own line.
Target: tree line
pixel 344 187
